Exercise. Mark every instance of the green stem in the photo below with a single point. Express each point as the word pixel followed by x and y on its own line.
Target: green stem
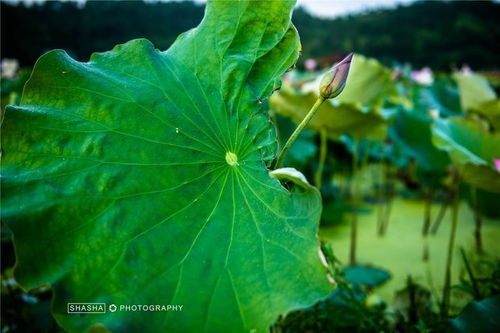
pixel 427 212
pixel 439 218
pixel 387 215
pixel 318 176
pixel 355 194
pixel 389 184
pixel 297 131
pixel 478 221
pixel 451 245
pixel 381 199
pixel 412 309
pixel 364 160
pixel 473 281
pixel 427 223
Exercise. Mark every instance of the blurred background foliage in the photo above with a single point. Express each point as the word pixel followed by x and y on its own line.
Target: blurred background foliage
pixel 439 34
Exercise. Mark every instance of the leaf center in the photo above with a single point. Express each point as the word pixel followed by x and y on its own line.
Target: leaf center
pixel 231 159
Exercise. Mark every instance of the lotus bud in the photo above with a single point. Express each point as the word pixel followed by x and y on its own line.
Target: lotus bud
pixel 333 82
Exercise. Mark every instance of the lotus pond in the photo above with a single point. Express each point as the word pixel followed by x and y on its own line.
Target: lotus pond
pixel 247 194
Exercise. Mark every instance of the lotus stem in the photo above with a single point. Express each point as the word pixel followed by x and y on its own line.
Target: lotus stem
pixel 413 308
pixel 297 131
pixel 451 245
pixel 478 220
pixel 318 176
pixel 440 216
pixel 427 212
pixel 355 194
pixel 380 201
pixel 387 208
pixel 427 223
pixel 473 280
pixel 387 215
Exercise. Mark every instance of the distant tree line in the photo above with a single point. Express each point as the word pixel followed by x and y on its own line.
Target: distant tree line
pixel 440 34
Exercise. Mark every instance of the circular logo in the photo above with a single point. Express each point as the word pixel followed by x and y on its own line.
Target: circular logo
pixel 112 308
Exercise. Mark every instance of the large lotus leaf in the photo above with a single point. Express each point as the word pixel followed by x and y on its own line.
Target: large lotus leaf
pixel 474 90
pixel 412 132
pixel 478 317
pixel 139 177
pixel 477 95
pixel 335 119
pixel 491 111
pixel 471 149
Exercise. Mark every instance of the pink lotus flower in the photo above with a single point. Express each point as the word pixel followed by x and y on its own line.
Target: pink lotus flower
pixel 423 76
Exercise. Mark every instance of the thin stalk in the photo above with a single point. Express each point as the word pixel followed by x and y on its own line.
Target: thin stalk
pixel 380 200
pixel 364 160
pixel 432 287
pixel 382 197
pixel 478 220
pixel 323 148
pixel 388 204
pixel 388 210
pixel 412 309
pixel 386 195
pixel 427 212
pixel 297 131
pixel 440 216
pixel 427 223
pixel 355 194
pixel 451 245
pixel 473 281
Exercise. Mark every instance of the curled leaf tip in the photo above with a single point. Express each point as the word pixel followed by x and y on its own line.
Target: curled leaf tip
pixel 333 82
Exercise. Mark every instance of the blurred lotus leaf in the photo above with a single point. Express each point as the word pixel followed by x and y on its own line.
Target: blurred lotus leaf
pixel 478 96
pixel 412 131
pixel 471 149
pixel 366 275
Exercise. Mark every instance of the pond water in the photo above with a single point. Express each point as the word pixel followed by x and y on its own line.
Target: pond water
pixel 400 251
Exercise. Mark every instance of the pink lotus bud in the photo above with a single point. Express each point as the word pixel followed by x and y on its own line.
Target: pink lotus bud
pixel 333 82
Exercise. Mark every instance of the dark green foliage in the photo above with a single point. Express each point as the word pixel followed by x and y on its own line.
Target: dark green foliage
pixel 11 88
pixel 28 32
pixel 347 309
pixel 479 317
pixel 438 34
pixel 435 33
